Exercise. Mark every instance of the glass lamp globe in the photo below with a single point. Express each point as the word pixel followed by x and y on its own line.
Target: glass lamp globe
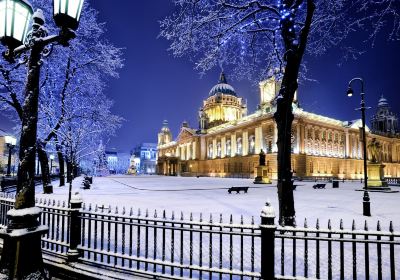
pixel 52 157
pixel 67 13
pixel 15 16
pixel 10 140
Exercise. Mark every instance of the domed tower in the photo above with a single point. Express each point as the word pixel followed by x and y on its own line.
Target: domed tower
pixel 384 121
pixel 165 135
pixel 222 105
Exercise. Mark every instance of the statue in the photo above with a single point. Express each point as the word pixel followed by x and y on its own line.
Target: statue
pixel 262 158
pixel 374 148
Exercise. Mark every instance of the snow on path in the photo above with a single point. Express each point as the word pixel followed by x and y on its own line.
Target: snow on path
pixel 209 195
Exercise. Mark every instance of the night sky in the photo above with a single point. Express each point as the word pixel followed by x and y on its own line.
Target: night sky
pixel 154 85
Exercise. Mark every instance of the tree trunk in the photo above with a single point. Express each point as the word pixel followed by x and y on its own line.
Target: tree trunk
pixel 44 163
pixel 25 197
pixel 61 165
pixel 69 170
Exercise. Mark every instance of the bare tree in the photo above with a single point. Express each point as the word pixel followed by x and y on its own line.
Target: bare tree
pixel 264 38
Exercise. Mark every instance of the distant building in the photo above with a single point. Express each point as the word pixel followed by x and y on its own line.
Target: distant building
pixel 117 163
pixel 4 151
pixel 228 141
pixel 384 122
pixel 146 153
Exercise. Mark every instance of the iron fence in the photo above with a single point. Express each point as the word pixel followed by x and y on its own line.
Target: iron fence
pixel 182 247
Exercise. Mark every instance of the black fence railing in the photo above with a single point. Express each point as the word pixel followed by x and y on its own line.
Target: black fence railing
pixel 394 181
pixel 179 247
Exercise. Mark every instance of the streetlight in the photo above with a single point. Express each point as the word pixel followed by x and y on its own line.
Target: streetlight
pixel 11 142
pixel 350 92
pixel 22 256
pixel 51 163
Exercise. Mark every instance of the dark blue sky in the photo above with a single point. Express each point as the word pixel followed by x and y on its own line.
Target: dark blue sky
pixel 154 85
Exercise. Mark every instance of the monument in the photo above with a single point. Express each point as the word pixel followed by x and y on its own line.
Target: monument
pixel 376 179
pixel 262 171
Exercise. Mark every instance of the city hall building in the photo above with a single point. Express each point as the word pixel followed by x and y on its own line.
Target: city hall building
pixel 228 140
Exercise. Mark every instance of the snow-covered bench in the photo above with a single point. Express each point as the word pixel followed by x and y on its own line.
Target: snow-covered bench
pixel 238 189
pixel 319 186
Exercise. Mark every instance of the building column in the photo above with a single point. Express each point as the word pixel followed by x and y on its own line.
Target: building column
pixel 297 149
pixel 347 145
pixel 258 139
pixel 245 143
pixel 223 147
pixel 274 145
pixel 188 148
pixel 194 147
pixel 214 146
pixel 233 144
pixel 203 148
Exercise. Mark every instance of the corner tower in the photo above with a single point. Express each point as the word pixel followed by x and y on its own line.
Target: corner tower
pixel 222 105
pixel 384 121
pixel 165 135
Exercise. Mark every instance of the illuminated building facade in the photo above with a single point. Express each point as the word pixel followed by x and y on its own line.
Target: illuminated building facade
pixel 228 141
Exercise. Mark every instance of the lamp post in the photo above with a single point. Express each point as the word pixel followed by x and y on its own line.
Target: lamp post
pixel 21 255
pixel 350 93
pixel 11 142
pixel 51 163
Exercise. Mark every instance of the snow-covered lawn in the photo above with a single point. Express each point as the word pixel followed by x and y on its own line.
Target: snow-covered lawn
pixel 210 196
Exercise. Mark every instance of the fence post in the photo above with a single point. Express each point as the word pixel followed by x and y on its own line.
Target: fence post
pixel 268 229
pixel 74 228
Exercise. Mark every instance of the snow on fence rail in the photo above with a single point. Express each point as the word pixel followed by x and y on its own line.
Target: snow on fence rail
pixel 212 248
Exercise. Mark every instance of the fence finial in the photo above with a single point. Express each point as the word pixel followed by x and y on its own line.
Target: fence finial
pixel 116 210
pixel 155 213
pixel 241 219
pixel 139 212
pixel 123 210
pixel 268 211
pixel 378 226
pixel 231 220
pixel 201 217
pixel 211 219
pixel 252 220
pixel 220 218
pixel 391 229
pixel 365 225
pixel 173 215
pixel 353 226
pixel 109 209
pixel 95 208
pixel 147 213
pixel 58 203
pixel 131 212
pixel 191 216
pixel 181 216
pixel 305 223
pixel 329 224
pixel 341 224
pixel 90 207
pixel 163 215
pixel 317 225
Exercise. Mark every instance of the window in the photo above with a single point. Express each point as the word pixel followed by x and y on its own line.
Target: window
pixel 252 144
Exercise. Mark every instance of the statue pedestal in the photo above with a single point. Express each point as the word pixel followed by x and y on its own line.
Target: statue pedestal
pixel 262 175
pixel 376 180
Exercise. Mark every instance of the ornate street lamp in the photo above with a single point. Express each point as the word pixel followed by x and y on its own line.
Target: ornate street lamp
pixel 51 163
pixel 10 142
pixel 15 16
pixel 350 93
pixel 21 255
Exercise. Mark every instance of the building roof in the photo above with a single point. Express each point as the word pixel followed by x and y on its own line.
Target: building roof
pixel 222 87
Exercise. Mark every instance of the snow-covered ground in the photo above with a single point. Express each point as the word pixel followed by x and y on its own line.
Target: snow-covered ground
pixel 210 196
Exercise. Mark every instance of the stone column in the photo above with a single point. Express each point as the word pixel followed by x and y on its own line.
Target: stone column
pixel 258 138
pixel 214 145
pixel 297 150
pixel 233 144
pixel 245 143
pixel 223 147
pixel 194 148
pixel 347 144
pixel 203 148
pixel 274 146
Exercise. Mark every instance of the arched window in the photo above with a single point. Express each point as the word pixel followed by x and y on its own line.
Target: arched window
pixel 239 147
pixel 252 144
pixel 219 151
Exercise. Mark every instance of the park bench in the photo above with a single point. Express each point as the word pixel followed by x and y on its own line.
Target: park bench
pixel 319 186
pixel 89 178
pixel 238 189
pixel 86 184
